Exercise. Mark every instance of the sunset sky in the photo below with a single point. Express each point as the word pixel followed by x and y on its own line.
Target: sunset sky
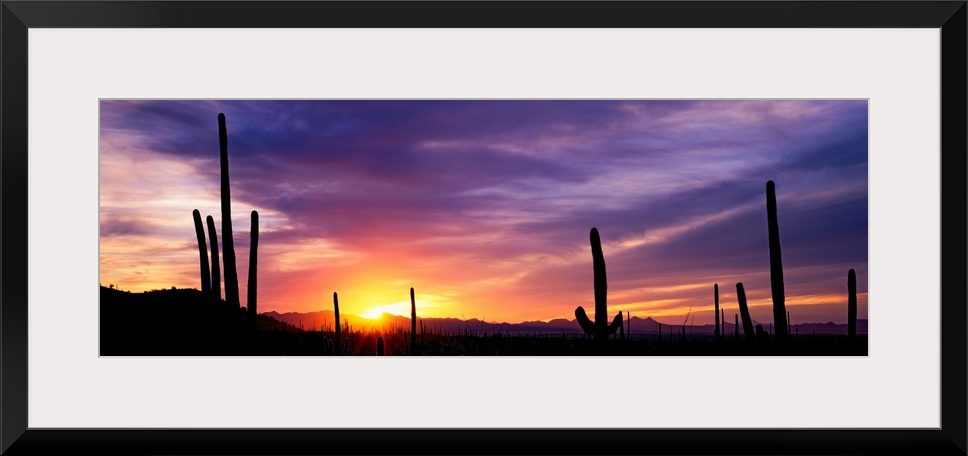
pixel 485 206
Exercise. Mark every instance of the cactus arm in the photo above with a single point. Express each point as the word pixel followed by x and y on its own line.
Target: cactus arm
pixel 616 324
pixel 206 276
pixel 586 324
pixel 216 274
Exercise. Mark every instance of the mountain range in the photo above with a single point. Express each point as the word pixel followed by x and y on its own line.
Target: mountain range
pixel 325 318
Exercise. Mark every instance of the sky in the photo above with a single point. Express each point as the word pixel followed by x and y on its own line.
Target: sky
pixel 484 207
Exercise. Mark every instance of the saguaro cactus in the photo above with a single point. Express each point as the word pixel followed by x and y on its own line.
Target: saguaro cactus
pixel 716 311
pixel 216 274
pixel 413 324
pixel 744 311
pixel 202 253
pixel 776 265
pixel 601 329
pixel 336 311
pixel 228 246
pixel 251 289
pixel 722 328
pixel 851 306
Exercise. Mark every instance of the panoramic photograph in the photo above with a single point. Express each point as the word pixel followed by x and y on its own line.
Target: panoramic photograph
pixel 483 227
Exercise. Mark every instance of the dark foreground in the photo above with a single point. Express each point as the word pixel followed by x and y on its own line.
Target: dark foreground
pixel 149 324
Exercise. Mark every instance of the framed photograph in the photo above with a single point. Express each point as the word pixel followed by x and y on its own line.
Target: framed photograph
pixel 446 179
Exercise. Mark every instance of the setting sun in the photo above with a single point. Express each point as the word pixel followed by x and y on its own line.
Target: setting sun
pixel 401 309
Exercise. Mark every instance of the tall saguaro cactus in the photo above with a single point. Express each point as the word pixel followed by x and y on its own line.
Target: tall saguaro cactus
pixel 216 273
pixel 851 306
pixel 413 324
pixel 202 253
pixel 748 331
pixel 336 312
pixel 601 329
pixel 252 288
pixel 228 246
pixel 776 266
pixel 716 310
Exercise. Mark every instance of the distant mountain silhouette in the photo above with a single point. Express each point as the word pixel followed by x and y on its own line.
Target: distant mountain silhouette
pixel 324 319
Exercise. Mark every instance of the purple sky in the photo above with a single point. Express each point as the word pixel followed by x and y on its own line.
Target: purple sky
pixel 484 206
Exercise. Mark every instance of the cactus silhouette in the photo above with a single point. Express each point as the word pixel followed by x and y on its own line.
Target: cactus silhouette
pixel 379 346
pixel 776 265
pixel 716 310
pixel 252 288
pixel 202 253
pixel 722 328
pixel 851 306
pixel 336 311
pixel 744 311
pixel 216 274
pixel 735 327
pixel 601 329
pixel 228 246
pixel 413 324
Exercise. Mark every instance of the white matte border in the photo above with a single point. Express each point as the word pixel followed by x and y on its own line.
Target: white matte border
pixel 898 385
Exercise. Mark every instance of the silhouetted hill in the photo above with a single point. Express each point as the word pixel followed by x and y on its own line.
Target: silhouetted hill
pixel 171 322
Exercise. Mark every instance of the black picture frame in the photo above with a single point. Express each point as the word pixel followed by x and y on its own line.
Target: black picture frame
pixel 18 16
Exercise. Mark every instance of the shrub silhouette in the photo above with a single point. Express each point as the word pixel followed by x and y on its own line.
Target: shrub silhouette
pixel 776 265
pixel 228 246
pixel 851 307
pixel 216 274
pixel 748 332
pixel 251 289
pixel 202 253
pixel 601 329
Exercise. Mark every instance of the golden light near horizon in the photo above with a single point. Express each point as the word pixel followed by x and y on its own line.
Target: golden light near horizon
pixel 401 309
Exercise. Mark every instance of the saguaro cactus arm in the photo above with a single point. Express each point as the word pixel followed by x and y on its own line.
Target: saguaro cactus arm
pixel 583 321
pixel 216 274
pixel 202 253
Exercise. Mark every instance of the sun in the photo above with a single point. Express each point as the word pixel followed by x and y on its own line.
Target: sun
pixel 372 314
pixel 397 308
